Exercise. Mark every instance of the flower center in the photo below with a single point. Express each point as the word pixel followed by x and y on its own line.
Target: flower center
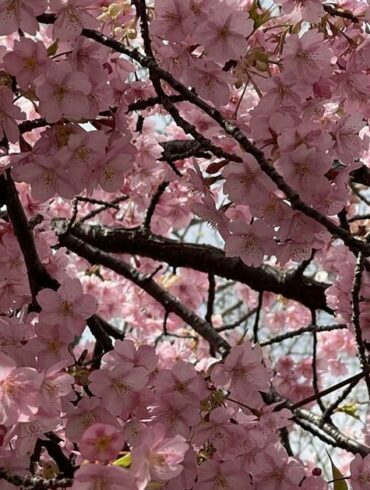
pixel 66 308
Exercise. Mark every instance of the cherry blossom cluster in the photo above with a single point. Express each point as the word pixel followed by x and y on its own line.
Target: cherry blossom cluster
pixel 156 361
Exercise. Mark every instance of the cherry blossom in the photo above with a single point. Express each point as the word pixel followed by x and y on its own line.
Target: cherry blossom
pixel 72 17
pixel 243 373
pixel 184 218
pixel 227 474
pixel 9 114
pixel 20 14
pixel 27 61
pixel 157 457
pixel 68 306
pixel 62 92
pixel 91 476
pixel 360 473
pixel 101 442
pixel 224 36
pixel 117 387
pixel 273 470
pixel 19 392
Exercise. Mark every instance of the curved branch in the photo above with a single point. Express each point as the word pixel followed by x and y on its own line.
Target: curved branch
pixel 169 302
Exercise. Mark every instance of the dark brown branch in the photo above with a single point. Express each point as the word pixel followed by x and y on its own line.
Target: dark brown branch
pixel 38 276
pixel 102 208
pixel 169 302
pixel 327 391
pixel 344 14
pixel 257 318
pixel 237 323
pixel 179 149
pixel 203 258
pixel 153 204
pixel 361 175
pixel 211 298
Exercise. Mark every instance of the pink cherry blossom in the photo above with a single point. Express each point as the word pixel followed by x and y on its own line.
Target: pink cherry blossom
pixel 101 442
pixel 55 385
pixel 9 114
pixel 307 57
pixel 89 411
pixel 92 476
pixel 184 380
pixel 158 457
pixel 176 414
pixel 62 92
pixel 273 470
pixel 219 475
pixel 250 242
pixel 20 14
pixel 210 83
pixel 47 177
pixel 20 395
pixel 27 61
pixel 245 182
pixel 308 10
pixel 243 374
pixel 82 154
pixel 224 35
pixel 117 387
pixel 68 306
pixel 303 167
pixel 174 20
pixel 72 17
pixel 360 473
pixel 126 355
pixel 109 173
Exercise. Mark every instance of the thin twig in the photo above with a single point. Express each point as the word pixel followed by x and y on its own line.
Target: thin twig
pixel 315 377
pixel 331 389
pixel 300 331
pixel 332 408
pixel 257 319
pixel 153 204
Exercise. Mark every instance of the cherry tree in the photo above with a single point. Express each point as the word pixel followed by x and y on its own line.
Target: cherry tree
pixel 184 244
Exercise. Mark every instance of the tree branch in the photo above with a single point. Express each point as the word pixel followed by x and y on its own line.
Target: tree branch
pixel 203 258
pixel 169 302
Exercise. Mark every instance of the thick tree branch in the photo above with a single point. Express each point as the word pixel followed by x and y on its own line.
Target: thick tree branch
pixel 203 258
pixel 169 302
pixel 35 483
pixel 38 276
pixel 341 440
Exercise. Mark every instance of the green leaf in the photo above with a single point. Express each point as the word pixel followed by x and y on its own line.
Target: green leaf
pixel 124 461
pixel 339 482
pixel 53 48
pixel 349 409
